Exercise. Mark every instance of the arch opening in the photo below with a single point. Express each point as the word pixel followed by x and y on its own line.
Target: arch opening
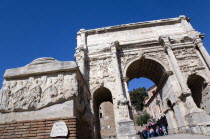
pixel 145 68
pixel 154 71
pixel 103 113
pixel 198 87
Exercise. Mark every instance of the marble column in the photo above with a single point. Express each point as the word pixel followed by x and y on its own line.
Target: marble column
pixel 116 66
pixel 202 50
pixel 173 61
pixel 124 125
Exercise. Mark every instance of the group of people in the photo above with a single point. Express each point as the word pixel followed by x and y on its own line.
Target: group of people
pixel 153 132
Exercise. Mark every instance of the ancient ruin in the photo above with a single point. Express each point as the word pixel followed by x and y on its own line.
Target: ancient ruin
pixel 168 51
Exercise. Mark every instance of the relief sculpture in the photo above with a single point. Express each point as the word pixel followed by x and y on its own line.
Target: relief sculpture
pixel 37 92
pixel 101 70
pixel 4 96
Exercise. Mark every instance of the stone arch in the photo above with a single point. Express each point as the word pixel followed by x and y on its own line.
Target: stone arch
pixel 140 65
pixel 143 57
pixel 156 71
pixel 199 87
pixel 101 94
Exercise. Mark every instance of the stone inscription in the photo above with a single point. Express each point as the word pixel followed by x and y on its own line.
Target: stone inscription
pixel 136 34
pixel 59 129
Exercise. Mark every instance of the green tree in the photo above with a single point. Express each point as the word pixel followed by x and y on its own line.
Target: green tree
pixel 137 97
pixel 143 118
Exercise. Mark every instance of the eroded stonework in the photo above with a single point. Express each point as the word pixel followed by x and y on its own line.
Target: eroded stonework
pixel 35 92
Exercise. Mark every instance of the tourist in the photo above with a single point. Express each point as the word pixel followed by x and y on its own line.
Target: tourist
pixel 152 133
pixel 148 132
pixel 157 130
pixel 164 130
pixel 145 135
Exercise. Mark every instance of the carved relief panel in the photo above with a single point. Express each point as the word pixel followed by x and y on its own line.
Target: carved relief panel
pixel 37 92
pixel 101 71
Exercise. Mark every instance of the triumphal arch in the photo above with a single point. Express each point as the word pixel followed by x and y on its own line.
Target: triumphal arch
pixel 168 51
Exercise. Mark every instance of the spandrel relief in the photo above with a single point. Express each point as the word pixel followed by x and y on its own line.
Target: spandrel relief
pixel 159 55
pixel 37 92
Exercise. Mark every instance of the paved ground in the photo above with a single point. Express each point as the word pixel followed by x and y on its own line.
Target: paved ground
pixel 182 136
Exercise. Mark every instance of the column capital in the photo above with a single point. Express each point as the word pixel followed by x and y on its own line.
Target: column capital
pixel 114 46
pixel 165 41
pixel 197 41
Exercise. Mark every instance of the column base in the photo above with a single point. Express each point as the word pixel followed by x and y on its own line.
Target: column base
pixel 126 129
pixel 199 122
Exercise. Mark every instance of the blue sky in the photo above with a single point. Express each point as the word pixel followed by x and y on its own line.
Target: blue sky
pixel 30 29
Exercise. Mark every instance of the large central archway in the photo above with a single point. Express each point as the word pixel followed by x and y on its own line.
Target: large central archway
pixel 150 69
pixel 147 68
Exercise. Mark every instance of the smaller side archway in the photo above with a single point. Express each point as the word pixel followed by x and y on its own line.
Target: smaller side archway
pixel 102 103
pixel 200 91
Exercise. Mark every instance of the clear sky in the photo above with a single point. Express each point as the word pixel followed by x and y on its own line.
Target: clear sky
pixel 30 29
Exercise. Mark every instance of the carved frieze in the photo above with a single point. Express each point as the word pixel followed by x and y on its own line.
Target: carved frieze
pixel 126 58
pixel 37 92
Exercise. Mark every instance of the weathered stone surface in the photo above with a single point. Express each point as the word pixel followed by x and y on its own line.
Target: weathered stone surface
pixel 65 109
pixel 59 129
pixel 126 130
pixel 41 66
pixel 57 83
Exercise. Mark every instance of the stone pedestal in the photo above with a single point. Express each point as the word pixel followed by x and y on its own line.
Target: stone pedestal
pixel 126 130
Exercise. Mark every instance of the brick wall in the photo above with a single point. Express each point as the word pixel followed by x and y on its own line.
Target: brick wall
pixel 38 129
